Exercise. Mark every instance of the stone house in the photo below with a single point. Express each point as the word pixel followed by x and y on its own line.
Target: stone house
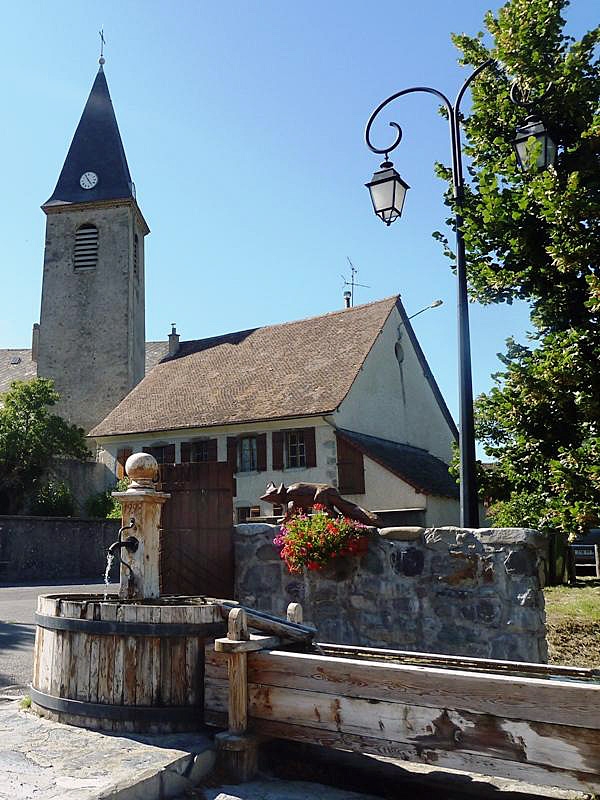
pixel 346 398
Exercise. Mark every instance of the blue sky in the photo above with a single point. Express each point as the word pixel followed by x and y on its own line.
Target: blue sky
pixel 243 126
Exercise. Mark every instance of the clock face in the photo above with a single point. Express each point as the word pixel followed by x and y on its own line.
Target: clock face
pixel 88 180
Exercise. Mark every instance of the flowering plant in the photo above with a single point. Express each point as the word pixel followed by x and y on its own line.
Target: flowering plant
pixel 312 541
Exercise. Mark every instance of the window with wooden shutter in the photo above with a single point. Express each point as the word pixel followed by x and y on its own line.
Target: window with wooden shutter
pixel 351 468
pixel 277 449
pixel 122 456
pixel 232 452
pixel 163 453
pixel 186 452
pixel 295 449
pixel 85 255
pixel 248 454
pixel 310 447
pixel 261 452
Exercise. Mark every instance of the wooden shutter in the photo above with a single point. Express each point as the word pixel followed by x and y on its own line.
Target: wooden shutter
pixel 232 452
pixel 351 468
pixel 261 452
pixel 122 456
pixel 186 452
pixel 211 447
pixel 169 454
pixel 277 449
pixel 310 448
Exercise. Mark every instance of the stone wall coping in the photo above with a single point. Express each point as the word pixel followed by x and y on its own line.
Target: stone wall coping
pixel 407 533
pixel 497 536
pixel 254 528
pixel 74 520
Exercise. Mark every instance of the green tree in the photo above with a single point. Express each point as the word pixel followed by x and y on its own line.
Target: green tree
pixel 535 236
pixel 30 438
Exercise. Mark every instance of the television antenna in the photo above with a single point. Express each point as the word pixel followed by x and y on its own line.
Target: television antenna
pixel 349 293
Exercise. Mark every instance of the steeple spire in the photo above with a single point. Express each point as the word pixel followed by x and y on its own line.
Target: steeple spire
pixel 96 167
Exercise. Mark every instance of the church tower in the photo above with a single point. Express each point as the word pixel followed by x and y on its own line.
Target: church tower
pixel 91 337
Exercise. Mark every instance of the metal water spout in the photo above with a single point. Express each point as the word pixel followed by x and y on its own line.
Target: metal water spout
pixel 139 555
pixel 131 544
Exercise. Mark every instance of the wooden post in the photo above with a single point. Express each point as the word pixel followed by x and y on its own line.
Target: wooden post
pixel 237 667
pixel 294 613
pixel 238 751
pixel 597 558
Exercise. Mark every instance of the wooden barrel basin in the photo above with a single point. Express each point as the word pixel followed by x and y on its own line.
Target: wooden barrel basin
pixel 115 665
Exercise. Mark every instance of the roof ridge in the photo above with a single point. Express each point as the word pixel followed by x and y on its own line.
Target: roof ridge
pixel 394 297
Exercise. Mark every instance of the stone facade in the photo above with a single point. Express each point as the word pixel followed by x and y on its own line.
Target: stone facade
pixel 475 593
pixel 92 329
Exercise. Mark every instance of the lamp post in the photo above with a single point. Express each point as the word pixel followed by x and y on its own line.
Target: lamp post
pixel 388 192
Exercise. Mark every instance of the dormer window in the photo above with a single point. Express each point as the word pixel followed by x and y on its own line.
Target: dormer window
pixel 86 247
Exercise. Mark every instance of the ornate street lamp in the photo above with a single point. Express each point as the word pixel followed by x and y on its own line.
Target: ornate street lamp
pixel 388 191
pixel 534 147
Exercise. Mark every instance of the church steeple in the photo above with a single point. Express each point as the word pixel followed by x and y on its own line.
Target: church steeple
pixel 91 333
pixel 96 167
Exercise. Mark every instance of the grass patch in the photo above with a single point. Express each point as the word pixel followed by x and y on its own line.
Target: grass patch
pixel 573 623
pixel 25 702
pixel 579 602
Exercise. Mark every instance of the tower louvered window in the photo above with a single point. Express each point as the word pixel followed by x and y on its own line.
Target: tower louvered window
pixel 135 254
pixel 86 247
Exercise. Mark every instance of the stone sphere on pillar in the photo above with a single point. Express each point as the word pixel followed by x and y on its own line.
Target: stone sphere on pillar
pixel 142 468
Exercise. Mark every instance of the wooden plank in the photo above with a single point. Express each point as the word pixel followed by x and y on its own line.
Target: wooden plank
pixel 37 654
pixel 272 625
pixel 460 662
pixel 178 671
pixel 531 699
pixel 65 670
pixel 154 643
pixel 143 667
pixel 255 642
pixel 452 759
pixel 440 729
pixel 193 671
pixel 129 614
pixel 165 665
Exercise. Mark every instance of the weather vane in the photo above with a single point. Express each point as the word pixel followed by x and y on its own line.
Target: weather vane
pixel 102 43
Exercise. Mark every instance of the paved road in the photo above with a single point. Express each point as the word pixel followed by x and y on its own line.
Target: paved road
pixel 17 629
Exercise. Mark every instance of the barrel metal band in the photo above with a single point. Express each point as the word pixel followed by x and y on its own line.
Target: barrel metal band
pixel 104 711
pixel 109 627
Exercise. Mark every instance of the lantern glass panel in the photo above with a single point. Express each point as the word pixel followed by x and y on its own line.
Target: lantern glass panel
pixel 535 149
pixel 388 191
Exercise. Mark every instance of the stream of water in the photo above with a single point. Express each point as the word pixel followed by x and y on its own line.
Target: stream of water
pixel 109 562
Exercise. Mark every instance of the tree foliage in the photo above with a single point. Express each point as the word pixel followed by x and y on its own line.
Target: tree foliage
pixel 30 437
pixel 535 236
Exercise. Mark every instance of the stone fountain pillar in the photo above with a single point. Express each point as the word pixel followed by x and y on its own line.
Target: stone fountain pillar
pixel 141 508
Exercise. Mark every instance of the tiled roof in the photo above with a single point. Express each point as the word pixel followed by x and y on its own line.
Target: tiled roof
pixel 26 369
pixel 295 369
pixel 23 370
pixel 423 471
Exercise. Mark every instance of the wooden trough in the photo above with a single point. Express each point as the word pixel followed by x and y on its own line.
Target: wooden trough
pixel 111 665
pixel 528 722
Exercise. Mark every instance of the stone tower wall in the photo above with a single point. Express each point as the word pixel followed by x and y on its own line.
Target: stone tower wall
pixel 92 329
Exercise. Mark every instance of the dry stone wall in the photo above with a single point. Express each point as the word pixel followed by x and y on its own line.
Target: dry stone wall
pixel 465 592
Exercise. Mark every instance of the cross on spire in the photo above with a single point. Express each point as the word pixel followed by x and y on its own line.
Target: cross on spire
pixel 102 43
